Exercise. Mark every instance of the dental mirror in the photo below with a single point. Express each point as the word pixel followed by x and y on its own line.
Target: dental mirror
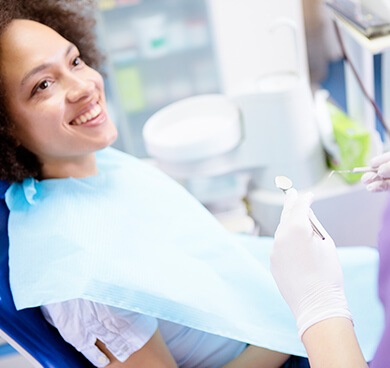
pixel 284 184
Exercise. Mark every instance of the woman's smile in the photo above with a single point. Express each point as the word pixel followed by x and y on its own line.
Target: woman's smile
pixel 89 117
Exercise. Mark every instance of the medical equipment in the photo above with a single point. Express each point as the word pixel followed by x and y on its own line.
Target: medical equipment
pixel 218 145
pixel 265 127
pixel 284 184
pixel 358 170
pixel 271 128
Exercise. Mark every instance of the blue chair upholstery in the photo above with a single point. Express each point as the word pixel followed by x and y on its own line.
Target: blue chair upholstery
pixel 28 328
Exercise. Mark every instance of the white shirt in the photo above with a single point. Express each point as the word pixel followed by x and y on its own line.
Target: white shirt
pixel 81 322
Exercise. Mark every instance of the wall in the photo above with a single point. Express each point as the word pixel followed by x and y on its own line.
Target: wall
pixel 246 47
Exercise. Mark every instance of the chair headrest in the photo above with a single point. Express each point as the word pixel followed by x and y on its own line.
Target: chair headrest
pixel 28 327
pixel 3 188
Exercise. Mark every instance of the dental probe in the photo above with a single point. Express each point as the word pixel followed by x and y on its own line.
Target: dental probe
pixel 284 184
pixel 358 170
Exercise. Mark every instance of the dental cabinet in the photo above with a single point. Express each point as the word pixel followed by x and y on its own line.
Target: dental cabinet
pixel 159 51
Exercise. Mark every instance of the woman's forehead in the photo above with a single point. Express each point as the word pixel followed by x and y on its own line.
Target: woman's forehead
pixel 27 43
pixel 22 31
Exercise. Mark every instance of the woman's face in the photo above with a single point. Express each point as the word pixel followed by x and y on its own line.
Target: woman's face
pixel 55 100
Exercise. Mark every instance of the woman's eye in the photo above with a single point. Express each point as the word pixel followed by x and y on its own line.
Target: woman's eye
pixel 77 61
pixel 41 86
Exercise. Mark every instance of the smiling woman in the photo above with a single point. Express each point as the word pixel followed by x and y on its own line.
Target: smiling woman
pixel 54 138
pixel 69 19
pixel 57 101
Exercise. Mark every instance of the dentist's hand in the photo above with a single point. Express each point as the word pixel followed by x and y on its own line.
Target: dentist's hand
pixel 305 267
pixel 380 181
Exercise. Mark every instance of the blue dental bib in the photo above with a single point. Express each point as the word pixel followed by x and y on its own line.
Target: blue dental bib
pixel 133 238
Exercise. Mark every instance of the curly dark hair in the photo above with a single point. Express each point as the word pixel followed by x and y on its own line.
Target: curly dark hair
pixel 74 20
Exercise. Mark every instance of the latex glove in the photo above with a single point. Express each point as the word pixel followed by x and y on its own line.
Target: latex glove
pixel 380 181
pixel 305 267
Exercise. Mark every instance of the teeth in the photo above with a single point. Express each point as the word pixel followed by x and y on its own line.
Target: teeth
pixel 95 111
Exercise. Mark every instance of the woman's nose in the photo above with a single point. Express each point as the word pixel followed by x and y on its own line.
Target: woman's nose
pixel 80 88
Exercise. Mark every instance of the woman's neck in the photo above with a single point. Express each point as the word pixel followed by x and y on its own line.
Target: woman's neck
pixel 77 167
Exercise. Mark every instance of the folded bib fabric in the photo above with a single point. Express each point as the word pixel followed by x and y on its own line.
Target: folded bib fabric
pixel 133 238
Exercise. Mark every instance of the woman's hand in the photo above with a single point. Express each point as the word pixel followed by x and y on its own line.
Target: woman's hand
pixel 305 267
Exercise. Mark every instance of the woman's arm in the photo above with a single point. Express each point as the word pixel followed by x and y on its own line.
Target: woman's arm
pixel 332 343
pixel 255 357
pixel 153 354
pixel 156 354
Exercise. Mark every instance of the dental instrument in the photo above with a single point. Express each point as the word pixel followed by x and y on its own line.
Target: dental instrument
pixel 284 184
pixel 358 170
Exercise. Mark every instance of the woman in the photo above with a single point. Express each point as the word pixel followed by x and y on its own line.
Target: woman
pixel 53 120
pixel 309 276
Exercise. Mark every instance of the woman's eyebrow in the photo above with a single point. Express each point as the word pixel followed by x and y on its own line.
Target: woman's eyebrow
pixel 44 66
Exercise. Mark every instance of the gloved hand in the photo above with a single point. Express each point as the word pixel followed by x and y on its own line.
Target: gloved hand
pixel 305 267
pixel 380 181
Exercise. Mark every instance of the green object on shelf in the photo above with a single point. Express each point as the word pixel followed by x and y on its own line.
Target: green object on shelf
pixel 130 88
pixel 112 4
pixel 354 142
pixel 106 4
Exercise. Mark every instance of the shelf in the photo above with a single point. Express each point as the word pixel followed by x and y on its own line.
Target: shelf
pixel 375 45
pixel 131 56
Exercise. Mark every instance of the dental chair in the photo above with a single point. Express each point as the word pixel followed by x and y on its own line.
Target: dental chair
pixel 27 331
